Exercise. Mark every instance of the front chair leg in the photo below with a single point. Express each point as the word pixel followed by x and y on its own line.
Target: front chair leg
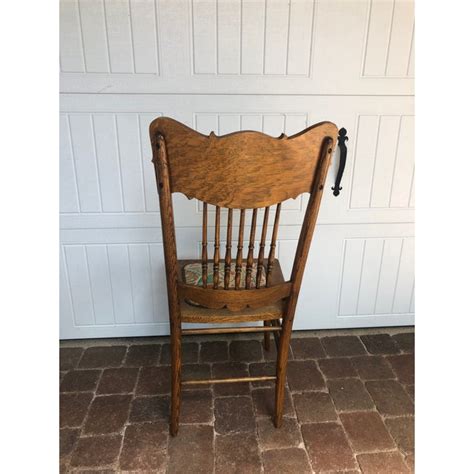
pixel 282 362
pixel 175 349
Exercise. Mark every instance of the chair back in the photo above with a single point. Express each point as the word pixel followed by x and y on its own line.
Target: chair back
pixel 241 175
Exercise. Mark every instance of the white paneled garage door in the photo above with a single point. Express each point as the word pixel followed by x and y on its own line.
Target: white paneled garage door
pixel 275 66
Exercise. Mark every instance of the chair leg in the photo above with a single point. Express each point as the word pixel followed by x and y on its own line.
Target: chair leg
pixel 282 362
pixel 266 337
pixel 175 379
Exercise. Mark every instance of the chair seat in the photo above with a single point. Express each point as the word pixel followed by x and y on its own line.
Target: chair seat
pixel 191 274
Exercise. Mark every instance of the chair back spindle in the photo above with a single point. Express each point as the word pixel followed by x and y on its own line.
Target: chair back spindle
pixel 217 245
pixel 271 255
pixel 204 246
pixel 249 265
pixel 228 250
pixel 240 246
pixel 261 252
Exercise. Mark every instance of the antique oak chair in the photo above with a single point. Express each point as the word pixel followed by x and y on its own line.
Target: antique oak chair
pixel 240 171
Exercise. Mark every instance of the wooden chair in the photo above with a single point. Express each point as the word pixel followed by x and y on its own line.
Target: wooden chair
pixel 239 171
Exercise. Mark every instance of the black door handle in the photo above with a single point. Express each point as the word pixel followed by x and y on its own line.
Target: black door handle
pixel 341 143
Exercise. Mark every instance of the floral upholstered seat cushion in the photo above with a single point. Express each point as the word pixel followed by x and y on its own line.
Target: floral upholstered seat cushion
pixel 193 276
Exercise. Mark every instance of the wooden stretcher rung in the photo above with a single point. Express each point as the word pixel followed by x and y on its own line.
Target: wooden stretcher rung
pixel 231 380
pixel 231 330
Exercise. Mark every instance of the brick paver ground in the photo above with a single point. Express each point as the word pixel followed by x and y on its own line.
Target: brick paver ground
pixel 349 406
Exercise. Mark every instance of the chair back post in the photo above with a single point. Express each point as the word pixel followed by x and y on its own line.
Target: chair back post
pixel 299 263
pixel 160 163
pixel 309 223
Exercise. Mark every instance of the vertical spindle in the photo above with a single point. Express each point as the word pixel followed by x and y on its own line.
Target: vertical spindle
pixel 271 255
pixel 240 246
pixel 261 253
pixel 204 246
pixel 248 273
pixel 217 247
pixel 228 250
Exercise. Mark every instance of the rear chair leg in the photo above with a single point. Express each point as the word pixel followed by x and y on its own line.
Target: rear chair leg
pixel 282 362
pixel 266 336
pixel 175 380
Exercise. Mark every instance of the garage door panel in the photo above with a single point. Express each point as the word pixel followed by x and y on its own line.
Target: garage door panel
pixel 232 46
pixel 100 283
pixel 108 162
pixel 112 285
pixel 377 183
pixel 66 310
pixel 121 283
pixel 119 36
pixel 358 275
pixel 141 280
pixel 78 284
pixel 400 60
pixel 383 163
pixel 94 36
pixel 69 195
pixel 72 54
pixel 369 276
pixel 85 162
pixel 405 279
pixel 404 167
pixel 219 66
pixel 144 37
pixel 376 53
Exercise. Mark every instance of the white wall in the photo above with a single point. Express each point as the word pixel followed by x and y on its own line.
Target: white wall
pixel 275 66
